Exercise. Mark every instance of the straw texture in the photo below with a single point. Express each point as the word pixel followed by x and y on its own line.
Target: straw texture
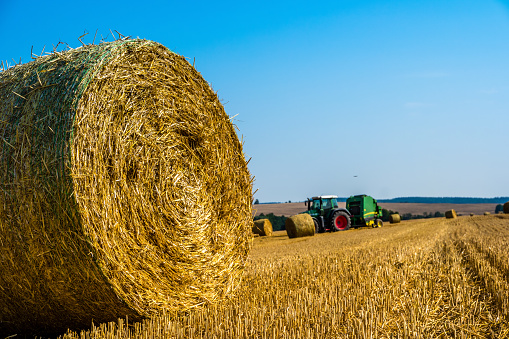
pixel 300 225
pixel 451 214
pixel 124 189
pixel 262 227
pixel 394 218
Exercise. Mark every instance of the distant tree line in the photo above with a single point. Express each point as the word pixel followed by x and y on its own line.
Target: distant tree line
pixel 425 215
pixel 407 216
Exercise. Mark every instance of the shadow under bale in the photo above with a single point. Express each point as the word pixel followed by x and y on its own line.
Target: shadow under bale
pixel 125 189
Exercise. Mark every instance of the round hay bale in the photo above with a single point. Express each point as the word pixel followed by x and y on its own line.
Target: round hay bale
pixel 300 225
pixel 487 213
pixel 394 218
pixel 506 208
pixel 125 190
pixel 263 227
pixel 451 214
pixel 471 214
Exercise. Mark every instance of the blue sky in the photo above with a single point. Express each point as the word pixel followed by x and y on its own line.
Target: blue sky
pixel 410 97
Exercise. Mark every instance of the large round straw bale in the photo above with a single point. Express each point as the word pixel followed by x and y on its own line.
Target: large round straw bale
pixel 300 225
pixel 262 227
pixel 506 208
pixel 125 190
pixel 487 213
pixel 451 214
pixel 394 218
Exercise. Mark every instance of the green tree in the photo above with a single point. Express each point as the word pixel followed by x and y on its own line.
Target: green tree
pixel 499 208
pixel 256 202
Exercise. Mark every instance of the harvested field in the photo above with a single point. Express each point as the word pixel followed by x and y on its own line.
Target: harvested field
pixel 435 278
pixel 288 209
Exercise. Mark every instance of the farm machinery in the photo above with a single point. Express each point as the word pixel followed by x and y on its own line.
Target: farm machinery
pixel 361 210
pixel 365 211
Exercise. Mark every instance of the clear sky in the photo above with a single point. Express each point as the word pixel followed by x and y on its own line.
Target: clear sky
pixel 386 98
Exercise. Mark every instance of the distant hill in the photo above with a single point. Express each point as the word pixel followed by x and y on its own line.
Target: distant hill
pixel 446 200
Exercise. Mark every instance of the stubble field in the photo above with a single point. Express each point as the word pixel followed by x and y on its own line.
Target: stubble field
pixel 434 278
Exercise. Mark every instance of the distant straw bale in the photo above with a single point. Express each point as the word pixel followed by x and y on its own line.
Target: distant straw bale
pixel 506 208
pixel 300 225
pixel 451 214
pixel 125 189
pixel 394 218
pixel 487 213
pixel 263 227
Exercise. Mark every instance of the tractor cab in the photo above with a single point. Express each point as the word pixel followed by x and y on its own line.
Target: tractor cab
pixel 322 204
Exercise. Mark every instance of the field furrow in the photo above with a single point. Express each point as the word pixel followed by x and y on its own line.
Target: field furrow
pixel 488 269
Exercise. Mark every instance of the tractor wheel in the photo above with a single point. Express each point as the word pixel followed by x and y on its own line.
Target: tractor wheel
pixel 379 223
pixel 318 229
pixel 340 221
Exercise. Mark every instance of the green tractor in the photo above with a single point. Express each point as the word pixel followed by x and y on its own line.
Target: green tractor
pixel 326 214
pixel 364 211
pixel 361 210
